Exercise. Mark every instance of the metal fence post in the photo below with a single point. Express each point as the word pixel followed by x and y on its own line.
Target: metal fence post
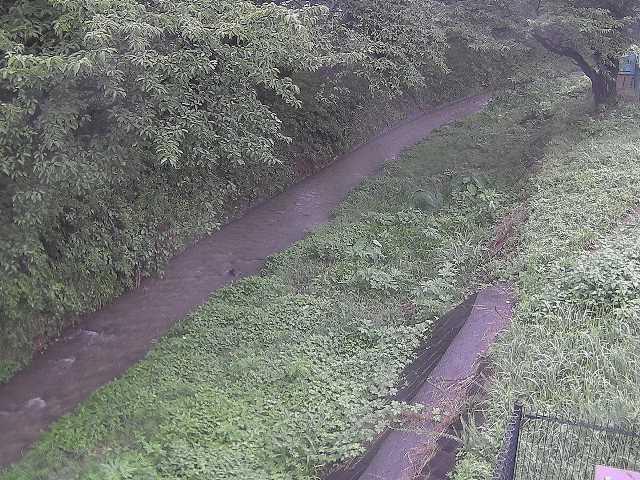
pixel 563 448
pixel 506 465
pixel 512 453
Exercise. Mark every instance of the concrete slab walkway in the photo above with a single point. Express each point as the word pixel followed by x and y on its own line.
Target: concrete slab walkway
pixel 402 453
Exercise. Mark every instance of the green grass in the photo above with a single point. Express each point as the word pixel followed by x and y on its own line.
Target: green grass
pixel 574 346
pixel 129 229
pixel 283 374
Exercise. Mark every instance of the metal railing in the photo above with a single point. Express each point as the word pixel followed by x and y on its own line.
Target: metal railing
pixel 547 447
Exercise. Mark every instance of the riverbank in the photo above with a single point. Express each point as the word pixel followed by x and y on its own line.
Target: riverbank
pixel 574 344
pixel 282 374
pixel 106 247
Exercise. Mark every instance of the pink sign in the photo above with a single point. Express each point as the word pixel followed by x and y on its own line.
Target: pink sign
pixel 608 473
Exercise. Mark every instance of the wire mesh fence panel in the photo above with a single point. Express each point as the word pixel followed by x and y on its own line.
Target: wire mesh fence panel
pixel 548 447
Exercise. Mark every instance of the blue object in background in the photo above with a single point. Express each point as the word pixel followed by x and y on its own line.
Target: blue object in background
pixel 629 64
pixel 628 80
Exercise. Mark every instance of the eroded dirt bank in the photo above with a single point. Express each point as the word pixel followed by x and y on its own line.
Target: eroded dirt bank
pixel 111 340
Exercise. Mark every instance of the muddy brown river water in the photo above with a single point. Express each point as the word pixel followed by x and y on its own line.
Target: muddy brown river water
pixel 109 341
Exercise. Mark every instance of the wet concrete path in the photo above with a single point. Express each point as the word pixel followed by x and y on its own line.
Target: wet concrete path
pixel 112 339
pixel 418 449
pixel 404 452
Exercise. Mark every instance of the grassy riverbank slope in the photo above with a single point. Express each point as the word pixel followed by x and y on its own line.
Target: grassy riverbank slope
pixel 282 374
pixel 105 177
pixel 574 345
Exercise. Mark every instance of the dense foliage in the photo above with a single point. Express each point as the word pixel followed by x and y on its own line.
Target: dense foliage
pixel 281 375
pixel 112 107
pixel 128 128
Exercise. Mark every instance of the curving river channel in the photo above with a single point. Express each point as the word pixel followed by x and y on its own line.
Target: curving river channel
pixel 111 340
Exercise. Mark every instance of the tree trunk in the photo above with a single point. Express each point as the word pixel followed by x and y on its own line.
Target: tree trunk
pixel 603 87
pixel 602 76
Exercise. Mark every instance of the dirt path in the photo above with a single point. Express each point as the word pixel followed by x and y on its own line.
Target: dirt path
pixel 111 340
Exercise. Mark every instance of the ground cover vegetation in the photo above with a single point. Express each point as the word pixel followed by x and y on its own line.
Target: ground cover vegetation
pixel 284 374
pixel 129 128
pixel 574 346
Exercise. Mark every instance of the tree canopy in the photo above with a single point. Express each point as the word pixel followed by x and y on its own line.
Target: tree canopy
pixel 589 33
pixel 110 85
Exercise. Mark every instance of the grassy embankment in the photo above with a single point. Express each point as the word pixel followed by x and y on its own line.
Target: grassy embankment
pixel 131 230
pixel 574 347
pixel 282 374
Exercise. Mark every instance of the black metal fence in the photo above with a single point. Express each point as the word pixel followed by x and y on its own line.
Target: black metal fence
pixel 546 447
